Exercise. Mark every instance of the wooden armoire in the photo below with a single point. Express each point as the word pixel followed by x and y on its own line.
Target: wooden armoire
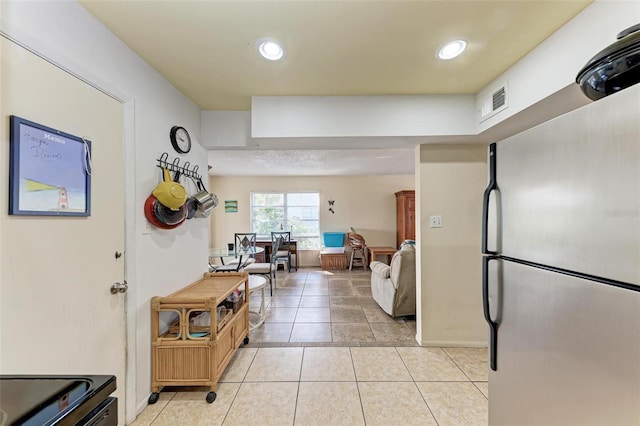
pixel 405 216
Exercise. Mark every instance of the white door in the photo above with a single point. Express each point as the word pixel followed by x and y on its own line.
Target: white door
pixel 57 314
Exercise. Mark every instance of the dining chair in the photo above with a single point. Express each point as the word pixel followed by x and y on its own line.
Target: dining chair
pixel 244 248
pixel 268 270
pixel 283 252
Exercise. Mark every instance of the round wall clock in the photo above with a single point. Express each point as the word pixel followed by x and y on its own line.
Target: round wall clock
pixel 180 139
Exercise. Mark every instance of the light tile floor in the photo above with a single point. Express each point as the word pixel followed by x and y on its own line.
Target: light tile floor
pixel 336 386
pixel 328 355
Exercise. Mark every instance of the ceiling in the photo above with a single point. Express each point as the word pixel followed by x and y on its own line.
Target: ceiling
pixel 206 49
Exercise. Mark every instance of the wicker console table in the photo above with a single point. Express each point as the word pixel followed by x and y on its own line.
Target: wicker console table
pixel 189 354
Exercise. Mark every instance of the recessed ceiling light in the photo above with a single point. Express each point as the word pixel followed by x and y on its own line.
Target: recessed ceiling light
pixel 270 49
pixel 451 49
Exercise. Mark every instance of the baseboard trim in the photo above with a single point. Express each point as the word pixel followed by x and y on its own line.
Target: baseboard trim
pixel 142 405
pixel 454 343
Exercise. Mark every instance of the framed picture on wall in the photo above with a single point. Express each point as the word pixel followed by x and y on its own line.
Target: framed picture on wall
pixel 49 171
pixel 231 206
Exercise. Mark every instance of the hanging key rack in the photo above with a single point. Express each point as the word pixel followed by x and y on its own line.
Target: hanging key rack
pixel 174 166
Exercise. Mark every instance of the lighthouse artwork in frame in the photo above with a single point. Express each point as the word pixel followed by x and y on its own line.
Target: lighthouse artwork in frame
pixel 49 171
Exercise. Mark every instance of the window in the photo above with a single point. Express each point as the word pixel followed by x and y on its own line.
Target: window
pixel 298 212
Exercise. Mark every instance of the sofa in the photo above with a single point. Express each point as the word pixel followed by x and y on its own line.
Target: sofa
pixel 393 286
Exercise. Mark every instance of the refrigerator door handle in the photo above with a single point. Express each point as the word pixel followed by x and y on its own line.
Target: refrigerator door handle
pixel 493 325
pixel 493 186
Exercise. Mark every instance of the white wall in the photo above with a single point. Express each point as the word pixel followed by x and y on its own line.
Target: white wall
pixel 365 202
pixel 451 181
pixel 158 262
pixel 225 129
pixel 554 64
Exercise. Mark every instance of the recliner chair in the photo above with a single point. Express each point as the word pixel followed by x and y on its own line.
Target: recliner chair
pixel 394 286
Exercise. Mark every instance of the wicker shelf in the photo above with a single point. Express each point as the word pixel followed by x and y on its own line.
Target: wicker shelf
pixel 191 355
pixel 333 261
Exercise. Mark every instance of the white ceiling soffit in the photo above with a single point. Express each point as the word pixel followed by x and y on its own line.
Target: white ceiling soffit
pixel 312 162
pixel 355 156
pixel 354 143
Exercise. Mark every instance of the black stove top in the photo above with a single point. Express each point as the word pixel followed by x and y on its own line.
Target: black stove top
pixel 51 400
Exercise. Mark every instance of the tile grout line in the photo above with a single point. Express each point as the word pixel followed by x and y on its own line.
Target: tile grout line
pixel 226 414
pixel 416 385
pixel 295 408
pixel 364 417
pixel 239 387
pixel 456 364
pixel 355 376
pixel 161 410
pixel 465 374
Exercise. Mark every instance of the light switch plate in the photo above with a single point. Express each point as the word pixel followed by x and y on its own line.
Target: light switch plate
pixel 435 221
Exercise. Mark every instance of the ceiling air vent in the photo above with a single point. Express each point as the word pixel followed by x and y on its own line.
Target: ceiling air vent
pixel 493 103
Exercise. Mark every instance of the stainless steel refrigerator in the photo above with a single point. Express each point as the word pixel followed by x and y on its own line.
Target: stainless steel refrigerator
pixel 561 271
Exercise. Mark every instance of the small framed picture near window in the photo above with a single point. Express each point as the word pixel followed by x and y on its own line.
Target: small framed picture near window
pixel 231 206
pixel 49 171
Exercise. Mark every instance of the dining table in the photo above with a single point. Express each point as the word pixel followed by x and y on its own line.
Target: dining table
pixel 225 253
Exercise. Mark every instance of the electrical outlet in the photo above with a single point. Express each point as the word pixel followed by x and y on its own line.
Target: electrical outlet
pixel 435 221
